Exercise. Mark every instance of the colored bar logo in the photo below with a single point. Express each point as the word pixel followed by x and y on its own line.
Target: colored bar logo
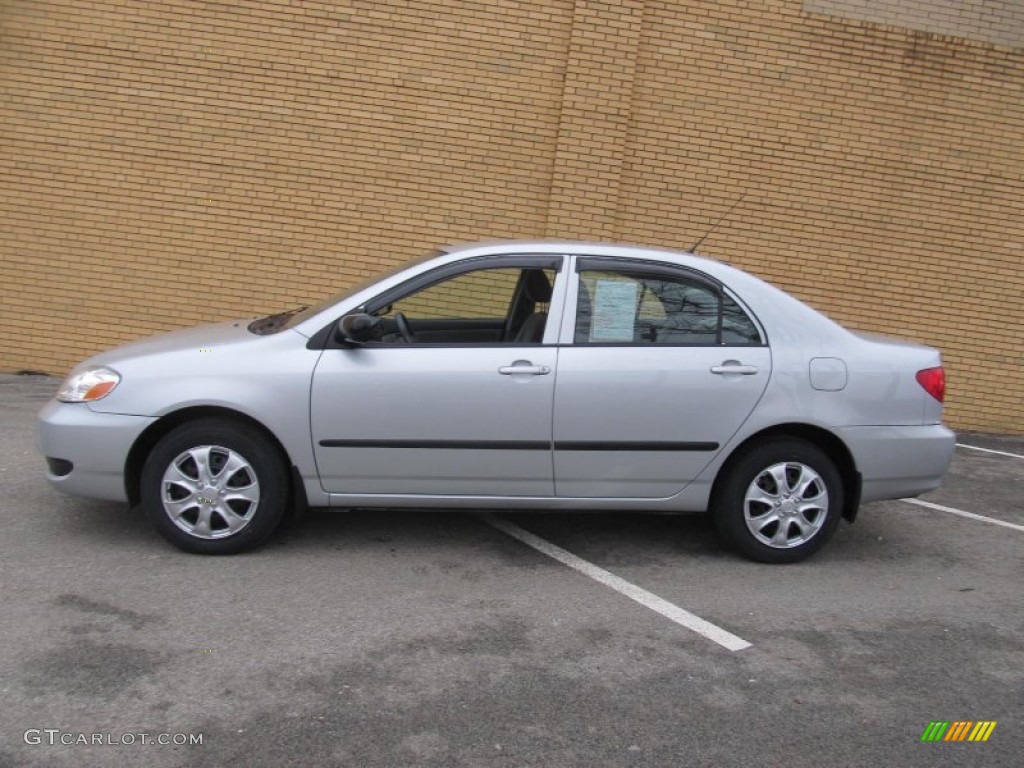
pixel 958 730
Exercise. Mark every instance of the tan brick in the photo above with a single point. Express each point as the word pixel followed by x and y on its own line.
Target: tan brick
pixel 279 154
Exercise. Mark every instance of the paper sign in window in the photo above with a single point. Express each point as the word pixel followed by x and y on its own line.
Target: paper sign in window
pixel 614 310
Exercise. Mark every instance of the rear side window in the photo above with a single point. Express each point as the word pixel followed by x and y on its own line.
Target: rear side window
pixel 627 307
pixel 737 327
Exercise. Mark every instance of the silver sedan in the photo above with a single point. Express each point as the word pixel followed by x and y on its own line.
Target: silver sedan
pixel 517 375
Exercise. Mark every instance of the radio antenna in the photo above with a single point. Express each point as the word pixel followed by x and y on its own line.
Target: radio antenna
pixel 693 248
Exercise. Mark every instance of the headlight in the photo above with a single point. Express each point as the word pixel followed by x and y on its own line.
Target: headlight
pixel 89 385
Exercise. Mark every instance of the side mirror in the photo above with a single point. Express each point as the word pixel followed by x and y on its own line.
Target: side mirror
pixel 357 328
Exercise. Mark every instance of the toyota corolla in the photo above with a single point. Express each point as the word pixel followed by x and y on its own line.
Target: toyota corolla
pixel 522 375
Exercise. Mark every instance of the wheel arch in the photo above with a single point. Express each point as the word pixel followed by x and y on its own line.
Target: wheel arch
pixel 818 436
pixel 145 442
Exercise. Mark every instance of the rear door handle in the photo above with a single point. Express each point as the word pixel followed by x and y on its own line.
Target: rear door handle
pixel 524 367
pixel 734 367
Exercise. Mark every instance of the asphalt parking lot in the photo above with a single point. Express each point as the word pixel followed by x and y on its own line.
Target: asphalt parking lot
pixel 435 639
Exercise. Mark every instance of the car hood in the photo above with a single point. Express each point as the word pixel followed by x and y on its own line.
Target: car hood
pixel 197 338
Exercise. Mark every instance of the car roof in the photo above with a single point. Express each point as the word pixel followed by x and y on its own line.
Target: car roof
pixel 595 248
pixel 716 268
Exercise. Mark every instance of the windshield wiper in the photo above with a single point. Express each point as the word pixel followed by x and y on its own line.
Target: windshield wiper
pixel 266 325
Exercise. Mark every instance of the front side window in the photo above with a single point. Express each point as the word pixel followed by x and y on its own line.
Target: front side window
pixel 483 294
pixel 491 305
pixel 627 307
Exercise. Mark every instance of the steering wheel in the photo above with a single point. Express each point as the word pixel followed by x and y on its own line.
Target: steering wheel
pixel 404 329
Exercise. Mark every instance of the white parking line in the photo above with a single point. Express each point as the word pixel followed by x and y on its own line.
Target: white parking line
pixel 990 450
pixel 969 515
pixel 632 591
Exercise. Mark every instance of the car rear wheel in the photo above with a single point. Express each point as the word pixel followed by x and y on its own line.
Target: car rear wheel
pixel 215 487
pixel 779 501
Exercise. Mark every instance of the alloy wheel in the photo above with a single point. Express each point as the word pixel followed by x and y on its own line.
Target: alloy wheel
pixel 210 492
pixel 785 505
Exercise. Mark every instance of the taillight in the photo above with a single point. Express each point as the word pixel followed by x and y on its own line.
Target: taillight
pixel 934 382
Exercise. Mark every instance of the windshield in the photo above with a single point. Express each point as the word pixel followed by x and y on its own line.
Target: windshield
pixel 296 316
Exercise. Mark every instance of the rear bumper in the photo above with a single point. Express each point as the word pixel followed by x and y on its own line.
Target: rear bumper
pixel 94 445
pixel 897 462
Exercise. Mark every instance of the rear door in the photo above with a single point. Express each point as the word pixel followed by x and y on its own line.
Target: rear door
pixel 658 368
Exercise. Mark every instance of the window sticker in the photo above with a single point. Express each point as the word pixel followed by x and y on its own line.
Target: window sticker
pixel 614 310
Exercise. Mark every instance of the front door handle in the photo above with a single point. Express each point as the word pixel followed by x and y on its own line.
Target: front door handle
pixel 524 367
pixel 734 367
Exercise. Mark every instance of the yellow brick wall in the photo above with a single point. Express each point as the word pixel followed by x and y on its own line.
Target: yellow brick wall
pixel 993 21
pixel 883 168
pixel 166 163
pixel 593 132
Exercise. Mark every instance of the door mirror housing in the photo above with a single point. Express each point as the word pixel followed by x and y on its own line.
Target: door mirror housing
pixel 358 328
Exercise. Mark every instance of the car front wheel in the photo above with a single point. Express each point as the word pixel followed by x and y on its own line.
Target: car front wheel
pixel 215 487
pixel 779 501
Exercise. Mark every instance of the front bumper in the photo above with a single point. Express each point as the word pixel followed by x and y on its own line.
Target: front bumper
pixel 899 461
pixel 95 444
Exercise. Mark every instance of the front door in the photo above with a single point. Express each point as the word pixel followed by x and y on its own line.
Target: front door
pixel 454 398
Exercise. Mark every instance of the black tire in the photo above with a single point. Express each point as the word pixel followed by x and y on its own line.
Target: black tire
pixel 804 519
pixel 247 487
